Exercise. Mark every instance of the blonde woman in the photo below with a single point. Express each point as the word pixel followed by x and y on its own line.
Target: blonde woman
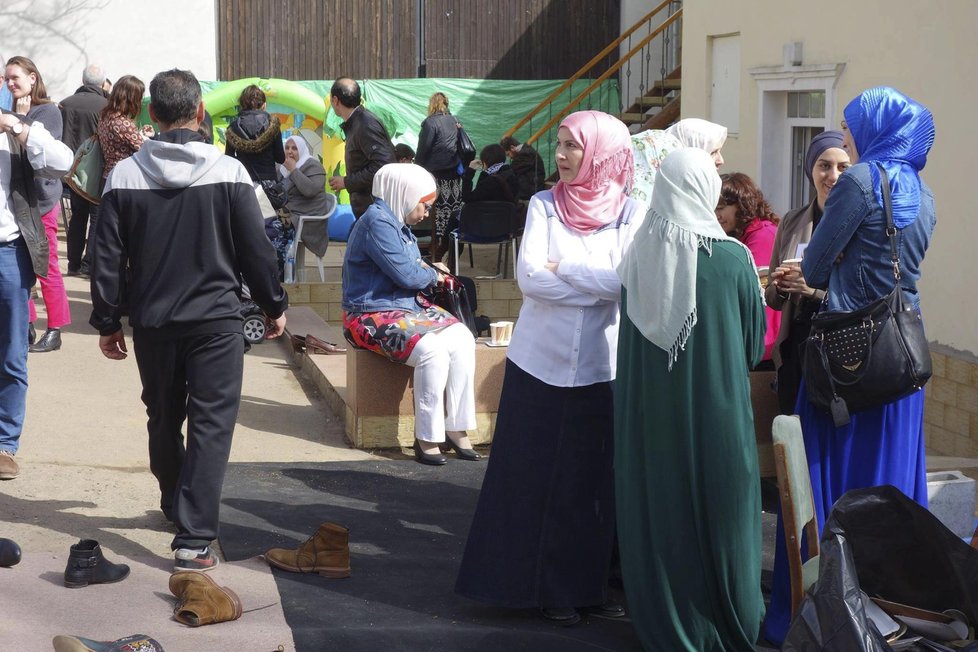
pixel 437 147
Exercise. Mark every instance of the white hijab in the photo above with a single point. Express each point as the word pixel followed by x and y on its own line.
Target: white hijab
pixel 402 186
pixel 304 154
pixel 702 134
pixel 659 268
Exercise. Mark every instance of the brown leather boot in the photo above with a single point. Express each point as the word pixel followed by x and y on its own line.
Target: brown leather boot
pixel 202 601
pixel 327 552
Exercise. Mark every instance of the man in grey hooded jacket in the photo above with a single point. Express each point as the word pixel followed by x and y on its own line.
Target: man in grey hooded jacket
pixel 179 226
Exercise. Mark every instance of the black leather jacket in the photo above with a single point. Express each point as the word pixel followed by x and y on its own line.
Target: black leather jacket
pixel 368 148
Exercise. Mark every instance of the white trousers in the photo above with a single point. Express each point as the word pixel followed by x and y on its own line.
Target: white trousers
pixel 444 373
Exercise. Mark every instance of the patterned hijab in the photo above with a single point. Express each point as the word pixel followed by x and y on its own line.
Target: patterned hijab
pixel 596 196
pixel 891 129
pixel 702 134
pixel 402 186
pixel 659 269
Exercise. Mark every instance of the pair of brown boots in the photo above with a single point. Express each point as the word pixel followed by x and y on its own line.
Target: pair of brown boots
pixel 327 552
pixel 202 601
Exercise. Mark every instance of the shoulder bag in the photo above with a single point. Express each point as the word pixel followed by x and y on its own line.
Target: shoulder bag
pixel 861 359
pixel 85 174
pixel 464 147
pixel 452 296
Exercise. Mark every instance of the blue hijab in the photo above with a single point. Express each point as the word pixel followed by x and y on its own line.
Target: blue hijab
pixel 890 128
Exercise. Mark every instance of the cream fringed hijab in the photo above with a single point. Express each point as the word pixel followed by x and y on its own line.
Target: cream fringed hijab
pixel 659 268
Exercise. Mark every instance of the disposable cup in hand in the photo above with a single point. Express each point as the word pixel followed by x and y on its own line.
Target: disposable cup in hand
pixel 507 331
pixel 791 261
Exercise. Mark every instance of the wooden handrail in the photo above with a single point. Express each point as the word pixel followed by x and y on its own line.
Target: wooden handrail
pixel 585 68
pixel 608 73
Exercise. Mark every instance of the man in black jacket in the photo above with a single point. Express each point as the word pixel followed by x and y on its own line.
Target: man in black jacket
pixel 178 227
pixel 80 115
pixel 527 164
pixel 25 151
pixel 368 145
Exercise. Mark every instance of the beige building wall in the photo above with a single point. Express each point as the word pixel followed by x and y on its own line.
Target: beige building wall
pixel 926 50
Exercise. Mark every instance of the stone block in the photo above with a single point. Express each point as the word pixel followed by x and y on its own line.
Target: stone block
pixel 933 412
pixel 514 308
pixel 942 390
pixel 974 426
pixel 495 308
pixel 939 363
pixel 951 498
pixel 334 312
pixel 326 293
pixel 963 446
pixel 506 290
pixel 321 309
pixel 941 441
pixel 966 398
pixel 298 293
pixel 957 421
pixel 958 370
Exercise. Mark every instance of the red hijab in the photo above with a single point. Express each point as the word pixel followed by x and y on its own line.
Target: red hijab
pixel 596 196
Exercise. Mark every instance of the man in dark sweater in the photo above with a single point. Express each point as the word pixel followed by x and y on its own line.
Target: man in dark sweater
pixel 368 145
pixel 178 227
pixel 80 115
pixel 527 165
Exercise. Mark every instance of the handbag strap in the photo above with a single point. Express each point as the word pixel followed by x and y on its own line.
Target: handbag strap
pixel 890 226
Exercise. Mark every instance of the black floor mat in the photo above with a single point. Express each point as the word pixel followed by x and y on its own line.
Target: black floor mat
pixel 408 525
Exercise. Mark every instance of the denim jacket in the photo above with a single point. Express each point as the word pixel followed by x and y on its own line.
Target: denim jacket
pixel 382 269
pixel 853 225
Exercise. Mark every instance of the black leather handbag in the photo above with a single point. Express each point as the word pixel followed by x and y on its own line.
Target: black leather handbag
pixel 452 296
pixel 861 359
pixel 464 147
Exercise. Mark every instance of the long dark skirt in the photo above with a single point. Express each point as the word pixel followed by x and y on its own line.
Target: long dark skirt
pixel 544 527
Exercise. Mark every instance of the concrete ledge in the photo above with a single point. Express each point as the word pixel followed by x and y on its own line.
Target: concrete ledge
pixel 376 396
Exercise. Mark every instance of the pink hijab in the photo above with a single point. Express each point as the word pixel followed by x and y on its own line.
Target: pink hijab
pixel 596 196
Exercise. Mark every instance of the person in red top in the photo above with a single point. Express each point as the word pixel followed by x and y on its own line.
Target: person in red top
pixel 744 214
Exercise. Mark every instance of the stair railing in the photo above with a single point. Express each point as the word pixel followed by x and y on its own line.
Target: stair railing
pixel 547 103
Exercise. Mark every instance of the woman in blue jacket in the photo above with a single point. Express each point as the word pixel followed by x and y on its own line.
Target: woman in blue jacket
pixel 849 256
pixel 382 275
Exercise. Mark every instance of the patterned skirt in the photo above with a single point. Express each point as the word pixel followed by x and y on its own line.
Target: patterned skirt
pixel 393 333
pixel 448 205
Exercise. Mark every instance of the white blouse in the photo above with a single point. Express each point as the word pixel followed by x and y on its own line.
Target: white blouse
pixel 567 332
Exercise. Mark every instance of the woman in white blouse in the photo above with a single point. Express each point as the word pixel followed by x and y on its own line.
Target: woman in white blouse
pixel 543 531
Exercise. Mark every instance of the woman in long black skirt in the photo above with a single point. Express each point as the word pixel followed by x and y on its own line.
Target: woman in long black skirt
pixel 543 531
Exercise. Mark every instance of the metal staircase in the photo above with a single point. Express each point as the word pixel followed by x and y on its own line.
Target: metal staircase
pixel 649 71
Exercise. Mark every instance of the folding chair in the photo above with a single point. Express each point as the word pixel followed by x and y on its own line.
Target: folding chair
pixel 797 505
pixel 295 254
pixel 487 222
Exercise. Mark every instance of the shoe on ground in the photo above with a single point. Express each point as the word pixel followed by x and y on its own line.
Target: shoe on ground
pixel 327 552
pixel 9 469
pixel 50 341
pixel 202 601
pixel 9 553
pixel 563 616
pixel 191 560
pixel 140 642
pixel 86 565
pixel 31 334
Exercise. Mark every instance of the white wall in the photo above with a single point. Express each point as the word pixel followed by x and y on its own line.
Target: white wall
pixel 135 37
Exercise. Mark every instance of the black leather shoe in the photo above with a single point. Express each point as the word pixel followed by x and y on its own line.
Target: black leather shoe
pixel 468 454
pixel 9 553
pixel 563 616
pixel 425 458
pixel 31 334
pixel 50 341
pixel 86 565
pixel 606 610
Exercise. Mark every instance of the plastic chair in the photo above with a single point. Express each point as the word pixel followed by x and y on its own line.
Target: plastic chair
pixel 487 222
pixel 294 251
pixel 797 505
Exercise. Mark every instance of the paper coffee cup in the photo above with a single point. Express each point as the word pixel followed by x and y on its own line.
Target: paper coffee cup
pixel 498 332
pixel 507 331
pixel 791 261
